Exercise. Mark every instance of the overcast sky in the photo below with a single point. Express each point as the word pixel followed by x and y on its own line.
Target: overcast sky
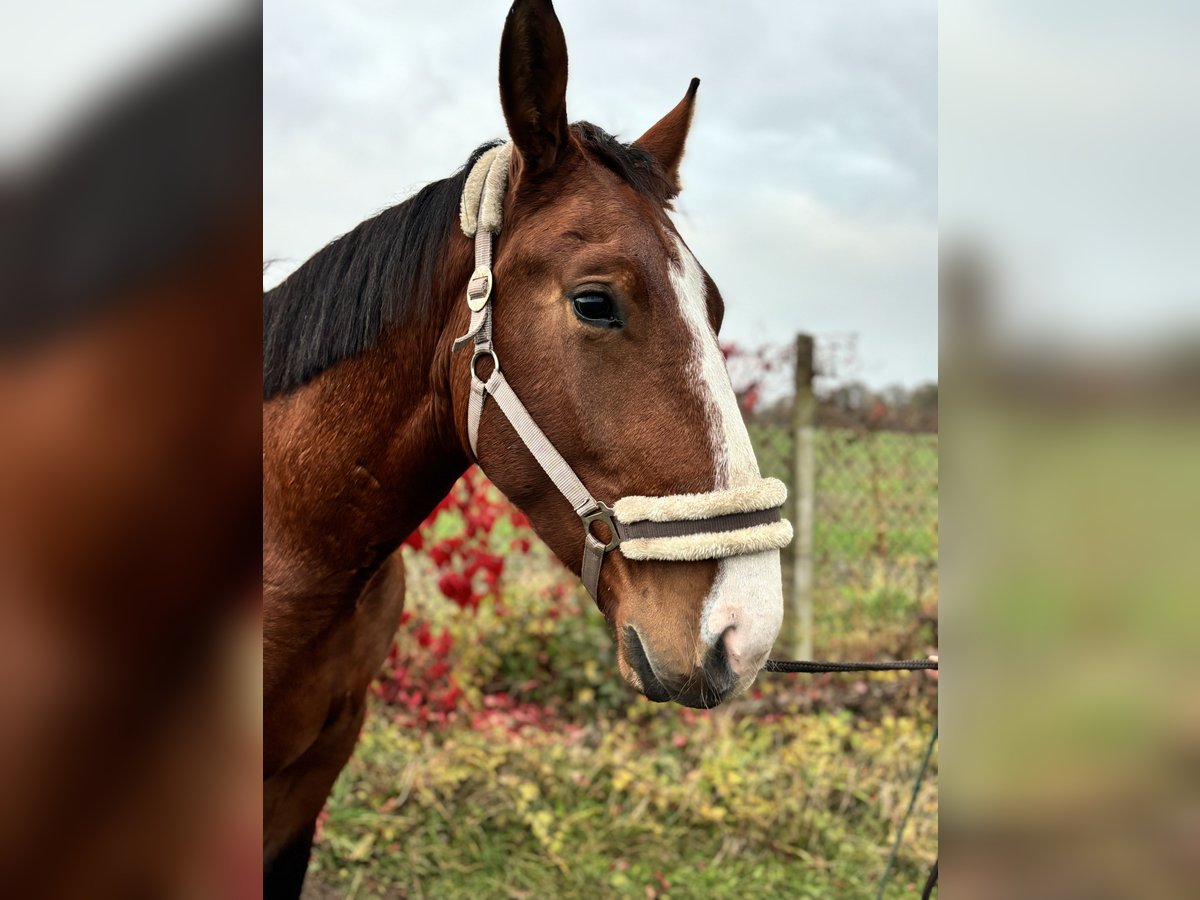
pixel 810 180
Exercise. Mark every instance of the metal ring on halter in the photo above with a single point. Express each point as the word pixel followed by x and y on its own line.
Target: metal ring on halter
pixel 602 512
pixel 485 351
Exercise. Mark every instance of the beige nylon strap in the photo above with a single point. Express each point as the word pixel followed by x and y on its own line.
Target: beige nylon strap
pixel 551 461
pixel 539 445
pixel 474 412
pixel 480 287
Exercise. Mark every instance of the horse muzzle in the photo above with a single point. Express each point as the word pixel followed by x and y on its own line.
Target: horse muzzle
pixel 706 686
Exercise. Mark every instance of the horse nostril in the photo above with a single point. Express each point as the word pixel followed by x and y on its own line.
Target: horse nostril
pixel 635 656
pixel 717 669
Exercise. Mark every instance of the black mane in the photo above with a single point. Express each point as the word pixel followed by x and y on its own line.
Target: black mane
pixel 339 302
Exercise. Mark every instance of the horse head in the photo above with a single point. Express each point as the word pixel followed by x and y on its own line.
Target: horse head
pixel 605 325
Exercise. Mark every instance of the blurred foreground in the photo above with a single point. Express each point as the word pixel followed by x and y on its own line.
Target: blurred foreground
pixel 129 463
pixel 1070 373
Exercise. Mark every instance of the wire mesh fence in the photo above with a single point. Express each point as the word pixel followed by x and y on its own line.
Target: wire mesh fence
pixel 871 553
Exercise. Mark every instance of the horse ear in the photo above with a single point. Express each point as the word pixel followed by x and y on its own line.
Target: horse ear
pixel 665 139
pixel 533 84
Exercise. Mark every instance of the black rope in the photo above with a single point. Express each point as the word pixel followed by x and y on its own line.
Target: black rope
pixel 812 666
pixel 930 882
pixel 912 802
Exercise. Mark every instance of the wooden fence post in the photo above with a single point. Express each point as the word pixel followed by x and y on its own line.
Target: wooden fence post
pixel 799 617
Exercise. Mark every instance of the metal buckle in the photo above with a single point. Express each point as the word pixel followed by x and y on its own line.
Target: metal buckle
pixel 481 352
pixel 602 512
pixel 478 302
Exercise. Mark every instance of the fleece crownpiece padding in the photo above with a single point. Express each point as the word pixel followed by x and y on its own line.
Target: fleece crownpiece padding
pixel 483 194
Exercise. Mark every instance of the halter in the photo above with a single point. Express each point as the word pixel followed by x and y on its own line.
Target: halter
pixel 712 525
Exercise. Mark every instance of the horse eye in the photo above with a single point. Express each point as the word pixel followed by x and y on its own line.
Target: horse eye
pixel 596 309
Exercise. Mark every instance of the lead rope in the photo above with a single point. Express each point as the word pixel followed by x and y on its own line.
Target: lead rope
pixel 809 666
pixel 931 879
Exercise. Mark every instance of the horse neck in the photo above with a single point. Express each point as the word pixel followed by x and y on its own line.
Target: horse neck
pixel 354 460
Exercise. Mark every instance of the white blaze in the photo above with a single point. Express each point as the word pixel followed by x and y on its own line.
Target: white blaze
pixel 748 590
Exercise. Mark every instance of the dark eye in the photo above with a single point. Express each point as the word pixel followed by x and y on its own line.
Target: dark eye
pixel 597 309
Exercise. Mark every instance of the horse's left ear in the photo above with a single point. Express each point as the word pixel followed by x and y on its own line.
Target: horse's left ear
pixel 533 84
pixel 665 139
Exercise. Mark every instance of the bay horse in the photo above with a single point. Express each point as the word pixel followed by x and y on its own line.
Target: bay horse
pixel 596 373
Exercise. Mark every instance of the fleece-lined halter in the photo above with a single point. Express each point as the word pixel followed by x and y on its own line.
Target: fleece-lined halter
pixel 712 525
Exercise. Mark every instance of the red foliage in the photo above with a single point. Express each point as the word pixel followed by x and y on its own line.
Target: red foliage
pixel 420 685
pixel 457 587
pixel 500 710
pixel 469 571
pixel 422 690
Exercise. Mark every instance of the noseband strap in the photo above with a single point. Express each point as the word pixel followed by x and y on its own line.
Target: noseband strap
pixel 678 527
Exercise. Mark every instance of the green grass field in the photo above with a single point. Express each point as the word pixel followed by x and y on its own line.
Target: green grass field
pixel 555 780
pixel 645 806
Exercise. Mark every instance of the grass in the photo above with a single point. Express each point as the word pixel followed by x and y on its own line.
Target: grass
pixel 554 780
pixel 642 807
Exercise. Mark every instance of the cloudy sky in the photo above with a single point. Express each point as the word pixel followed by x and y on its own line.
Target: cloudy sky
pixel 810 180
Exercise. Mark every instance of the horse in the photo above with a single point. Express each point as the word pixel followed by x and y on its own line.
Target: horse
pixel 593 371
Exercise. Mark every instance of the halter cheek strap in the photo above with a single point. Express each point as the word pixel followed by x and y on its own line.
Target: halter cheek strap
pixel 714 525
